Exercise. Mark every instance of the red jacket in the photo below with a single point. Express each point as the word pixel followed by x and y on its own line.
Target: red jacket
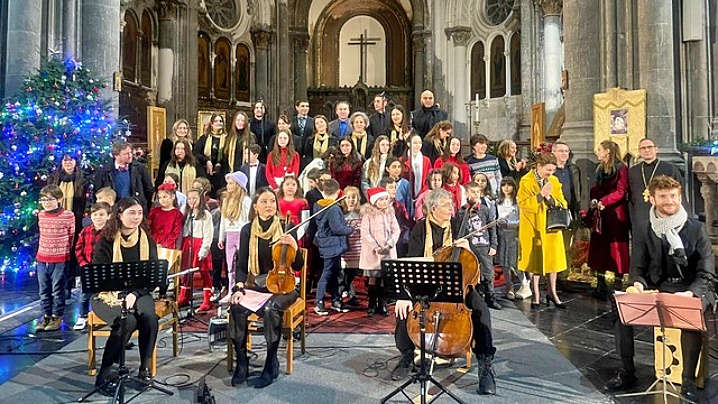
pixel 409 174
pixel 463 168
pixel 165 226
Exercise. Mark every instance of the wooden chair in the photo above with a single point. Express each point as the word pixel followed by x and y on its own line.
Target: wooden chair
pixel 294 316
pixel 166 309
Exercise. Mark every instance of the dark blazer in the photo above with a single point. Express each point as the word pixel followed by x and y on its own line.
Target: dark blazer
pixel 264 130
pixel 651 264
pixel 308 129
pixel 425 118
pixel 417 239
pixel 260 179
pixel 334 129
pixel 378 123
pixel 140 181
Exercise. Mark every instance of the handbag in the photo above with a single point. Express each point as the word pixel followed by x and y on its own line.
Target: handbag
pixel 593 221
pixel 557 219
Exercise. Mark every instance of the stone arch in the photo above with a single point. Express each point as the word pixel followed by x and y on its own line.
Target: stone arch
pixel 419 9
pixel 392 18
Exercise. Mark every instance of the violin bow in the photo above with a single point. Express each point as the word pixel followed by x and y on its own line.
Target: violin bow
pixel 308 219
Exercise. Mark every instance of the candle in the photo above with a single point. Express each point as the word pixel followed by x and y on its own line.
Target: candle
pixel 476 119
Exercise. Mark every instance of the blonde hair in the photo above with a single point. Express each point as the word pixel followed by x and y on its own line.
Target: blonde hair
pixel 351 190
pixel 173 136
pixel 232 204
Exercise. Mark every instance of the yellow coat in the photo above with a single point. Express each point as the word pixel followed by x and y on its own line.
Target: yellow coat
pixel 540 252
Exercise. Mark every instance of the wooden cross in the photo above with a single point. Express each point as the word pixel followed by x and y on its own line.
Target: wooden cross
pixel 363 42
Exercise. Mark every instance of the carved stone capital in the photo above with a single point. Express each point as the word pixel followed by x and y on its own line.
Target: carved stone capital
pixel 417 39
pixel 166 9
pixel 301 42
pixel 261 35
pixel 550 7
pixel 460 35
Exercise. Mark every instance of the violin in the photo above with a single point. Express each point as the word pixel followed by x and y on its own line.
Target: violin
pixel 280 279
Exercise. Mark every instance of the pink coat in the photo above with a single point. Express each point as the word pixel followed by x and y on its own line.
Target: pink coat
pixel 379 228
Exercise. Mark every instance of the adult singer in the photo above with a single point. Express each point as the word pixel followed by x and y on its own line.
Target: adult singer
pixel 126 238
pixel 674 256
pixel 438 229
pixel 252 260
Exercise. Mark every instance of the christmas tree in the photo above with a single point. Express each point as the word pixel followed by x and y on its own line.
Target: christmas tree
pixel 59 112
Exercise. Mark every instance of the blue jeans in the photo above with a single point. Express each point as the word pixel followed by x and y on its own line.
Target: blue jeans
pixel 51 280
pixel 329 279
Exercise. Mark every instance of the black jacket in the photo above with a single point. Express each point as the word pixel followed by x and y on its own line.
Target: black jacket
pixel 378 123
pixel 264 130
pixel 425 118
pixel 308 129
pixel 140 182
pixel 417 239
pixel 261 178
pixel 651 265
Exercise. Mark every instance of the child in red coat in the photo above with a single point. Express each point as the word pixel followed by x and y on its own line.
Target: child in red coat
pixel 166 219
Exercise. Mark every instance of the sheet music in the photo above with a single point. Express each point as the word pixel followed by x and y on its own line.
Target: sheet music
pixel 254 300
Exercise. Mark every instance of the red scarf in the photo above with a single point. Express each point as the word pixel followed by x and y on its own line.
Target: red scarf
pixel 455 191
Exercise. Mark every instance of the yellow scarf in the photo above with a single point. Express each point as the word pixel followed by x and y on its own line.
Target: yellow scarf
pixel 208 145
pixel 321 144
pixel 429 246
pixel 186 175
pixel 273 233
pixel 360 142
pixel 112 298
pixel 68 193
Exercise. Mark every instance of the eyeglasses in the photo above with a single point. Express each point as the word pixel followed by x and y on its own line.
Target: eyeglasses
pixel 45 200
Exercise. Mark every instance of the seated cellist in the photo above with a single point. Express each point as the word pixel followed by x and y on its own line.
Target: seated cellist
pixel 253 260
pixel 438 229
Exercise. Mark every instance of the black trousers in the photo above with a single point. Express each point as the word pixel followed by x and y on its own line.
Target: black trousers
pixel 480 319
pixel 143 319
pixel 690 344
pixel 272 313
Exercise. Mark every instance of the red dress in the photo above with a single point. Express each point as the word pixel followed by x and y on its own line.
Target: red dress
pixel 608 251
pixel 293 207
pixel 165 226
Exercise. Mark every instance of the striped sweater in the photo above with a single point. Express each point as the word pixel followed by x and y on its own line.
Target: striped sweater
pixel 57 230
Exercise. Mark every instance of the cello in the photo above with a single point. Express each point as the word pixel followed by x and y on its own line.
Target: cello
pixel 280 279
pixel 450 331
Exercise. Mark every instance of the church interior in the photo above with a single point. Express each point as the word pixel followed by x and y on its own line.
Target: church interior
pixel 531 71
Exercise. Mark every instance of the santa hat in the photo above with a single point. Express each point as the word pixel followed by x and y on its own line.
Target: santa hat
pixel 375 194
pixel 239 177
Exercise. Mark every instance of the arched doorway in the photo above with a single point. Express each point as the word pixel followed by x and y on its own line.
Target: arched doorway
pixel 329 41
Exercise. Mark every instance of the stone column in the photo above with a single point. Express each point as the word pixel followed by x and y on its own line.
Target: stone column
pixel 284 66
pixel 552 54
pixel 657 73
pixel 301 42
pixel 417 38
pixel 460 37
pixel 23 37
pixel 260 39
pixel 581 47
pixel 69 27
pixel 705 169
pixel 167 11
pixel 101 42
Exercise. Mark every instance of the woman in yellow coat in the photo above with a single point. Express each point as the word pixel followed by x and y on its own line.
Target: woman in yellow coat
pixel 541 252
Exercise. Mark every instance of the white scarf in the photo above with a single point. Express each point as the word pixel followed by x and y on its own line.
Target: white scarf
pixel 417 163
pixel 669 227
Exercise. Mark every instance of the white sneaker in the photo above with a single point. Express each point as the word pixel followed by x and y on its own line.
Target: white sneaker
pixel 80 324
pixel 524 292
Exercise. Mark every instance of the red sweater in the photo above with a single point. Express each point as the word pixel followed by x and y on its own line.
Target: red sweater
pixel 463 168
pixel 280 170
pixel 56 233
pixel 165 226
pixel 89 236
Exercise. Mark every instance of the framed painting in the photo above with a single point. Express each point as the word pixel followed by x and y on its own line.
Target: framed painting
pixel 620 115
pixel 203 120
pixel 156 133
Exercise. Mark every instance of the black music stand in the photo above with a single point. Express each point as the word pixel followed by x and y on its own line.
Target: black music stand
pixel 124 277
pixel 660 310
pixel 423 282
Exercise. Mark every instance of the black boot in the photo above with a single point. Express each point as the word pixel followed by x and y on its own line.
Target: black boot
pixel 241 364
pixel 487 377
pixel 601 292
pixel 372 300
pixel 144 373
pixel 381 302
pixel 104 383
pixel 272 333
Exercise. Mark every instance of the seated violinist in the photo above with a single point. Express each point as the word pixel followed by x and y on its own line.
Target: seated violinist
pixel 253 261
pixel 438 229
pixel 674 256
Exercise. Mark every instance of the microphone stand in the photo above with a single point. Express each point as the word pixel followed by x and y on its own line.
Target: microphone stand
pixel 191 314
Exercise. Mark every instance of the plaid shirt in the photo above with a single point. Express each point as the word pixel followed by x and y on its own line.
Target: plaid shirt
pixel 86 244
